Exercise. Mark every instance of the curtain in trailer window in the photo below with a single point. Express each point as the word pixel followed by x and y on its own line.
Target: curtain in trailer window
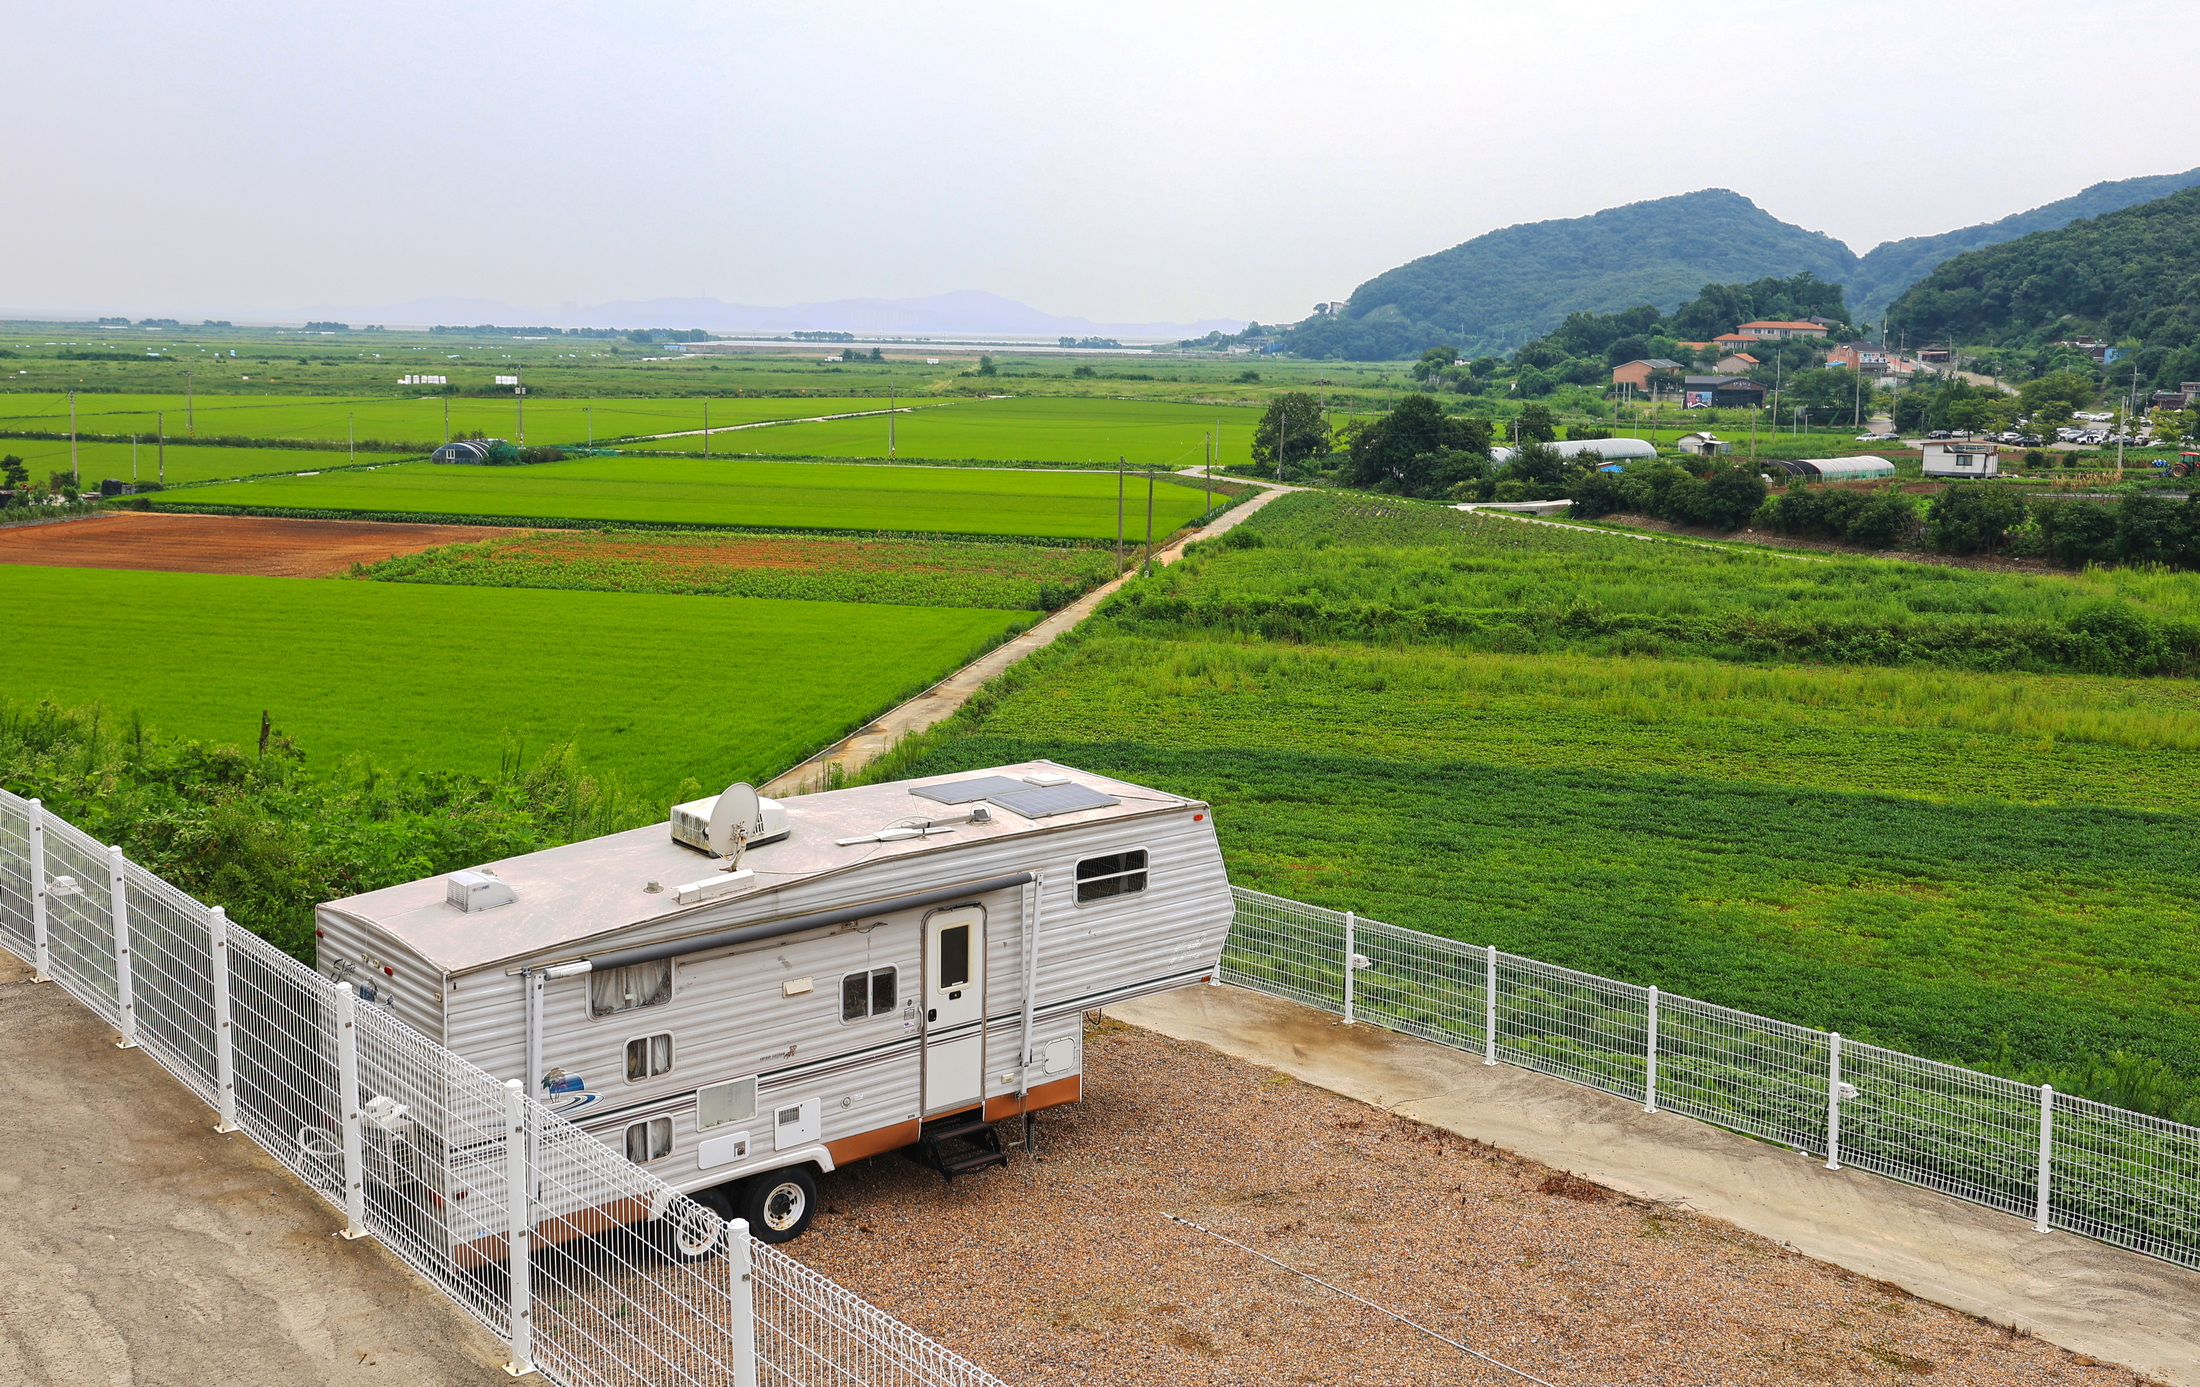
pixel 624 989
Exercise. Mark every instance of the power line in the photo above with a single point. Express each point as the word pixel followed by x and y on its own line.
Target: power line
pixel 1463 1348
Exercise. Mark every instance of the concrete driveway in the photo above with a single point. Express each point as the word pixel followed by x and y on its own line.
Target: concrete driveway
pixel 140 1249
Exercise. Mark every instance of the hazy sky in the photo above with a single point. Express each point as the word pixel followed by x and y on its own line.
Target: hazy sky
pixel 1123 161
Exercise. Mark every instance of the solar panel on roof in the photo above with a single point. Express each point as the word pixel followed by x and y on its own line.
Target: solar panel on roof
pixel 1039 802
pixel 969 791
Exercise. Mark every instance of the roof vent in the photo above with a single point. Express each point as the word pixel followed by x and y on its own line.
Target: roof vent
pixel 481 890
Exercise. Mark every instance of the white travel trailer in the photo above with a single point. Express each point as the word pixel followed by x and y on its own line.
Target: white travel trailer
pixel 759 991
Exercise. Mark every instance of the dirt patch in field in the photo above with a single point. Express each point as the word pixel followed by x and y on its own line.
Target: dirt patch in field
pixel 263 545
pixel 1062 1268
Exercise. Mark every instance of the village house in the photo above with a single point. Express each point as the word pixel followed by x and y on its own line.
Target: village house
pixel 1638 373
pixel 1737 364
pixel 1776 329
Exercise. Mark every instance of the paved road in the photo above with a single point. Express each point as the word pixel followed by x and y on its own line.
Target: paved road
pixel 2114 1305
pixel 140 1249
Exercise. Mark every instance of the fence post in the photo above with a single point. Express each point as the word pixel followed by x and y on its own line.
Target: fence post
pixel 1351 931
pixel 2047 1157
pixel 741 1285
pixel 1833 1100
pixel 225 1054
pixel 347 1098
pixel 1650 1059
pixel 118 907
pixel 40 952
pixel 519 1228
pixel 1489 1007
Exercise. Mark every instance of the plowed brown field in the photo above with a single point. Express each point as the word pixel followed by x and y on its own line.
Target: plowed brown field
pixel 224 543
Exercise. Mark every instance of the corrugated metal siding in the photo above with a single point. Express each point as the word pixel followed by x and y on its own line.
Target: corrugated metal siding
pixel 418 985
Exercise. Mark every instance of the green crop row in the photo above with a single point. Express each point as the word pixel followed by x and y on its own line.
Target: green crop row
pixel 900 572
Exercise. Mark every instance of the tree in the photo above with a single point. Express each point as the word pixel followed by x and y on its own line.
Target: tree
pixel 1402 451
pixel 2058 396
pixel 1730 496
pixel 14 474
pixel 1537 425
pixel 1973 518
pixel 1291 427
pixel 1433 361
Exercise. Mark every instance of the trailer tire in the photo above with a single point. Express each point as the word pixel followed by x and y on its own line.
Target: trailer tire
pixel 778 1204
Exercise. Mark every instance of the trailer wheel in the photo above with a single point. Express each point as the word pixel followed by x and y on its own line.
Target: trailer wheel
pixel 779 1203
pixel 692 1232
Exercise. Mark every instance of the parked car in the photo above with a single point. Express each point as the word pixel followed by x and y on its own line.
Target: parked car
pixel 1879 438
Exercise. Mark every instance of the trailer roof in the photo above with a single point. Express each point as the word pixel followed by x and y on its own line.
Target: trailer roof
pixel 586 892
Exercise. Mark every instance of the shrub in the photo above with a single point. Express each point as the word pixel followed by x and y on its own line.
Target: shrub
pixel 1973 518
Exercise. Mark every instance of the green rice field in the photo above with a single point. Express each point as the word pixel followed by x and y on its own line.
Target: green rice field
pixel 176 465
pixel 779 495
pixel 1038 429
pixel 654 689
pixel 419 420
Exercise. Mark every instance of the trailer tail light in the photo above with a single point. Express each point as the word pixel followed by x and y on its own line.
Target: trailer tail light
pixel 389 970
pixel 1197 817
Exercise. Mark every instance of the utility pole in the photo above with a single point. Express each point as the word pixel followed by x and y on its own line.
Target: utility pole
pixel 133 459
pixel 590 411
pixel 891 403
pixel 1149 520
pixel 77 477
pixel 446 418
pixel 160 443
pixel 1118 516
pixel 519 395
pixel 190 408
pixel 351 439
pixel 706 428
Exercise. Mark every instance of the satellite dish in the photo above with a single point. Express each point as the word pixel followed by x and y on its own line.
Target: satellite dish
pixel 734 819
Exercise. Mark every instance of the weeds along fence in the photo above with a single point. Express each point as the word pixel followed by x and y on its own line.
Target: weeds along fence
pixel 592 1270
pixel 2059 1161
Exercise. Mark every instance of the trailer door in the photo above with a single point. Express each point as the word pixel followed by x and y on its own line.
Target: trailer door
pixel 954 1008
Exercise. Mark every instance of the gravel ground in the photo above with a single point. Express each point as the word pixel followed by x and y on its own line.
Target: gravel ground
pixel 1062 1268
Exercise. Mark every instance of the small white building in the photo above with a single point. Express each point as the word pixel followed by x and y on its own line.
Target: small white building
pixel 1704 445
pixel 1954 459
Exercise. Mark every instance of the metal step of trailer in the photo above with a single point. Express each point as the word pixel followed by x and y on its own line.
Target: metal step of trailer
pixel 981 1145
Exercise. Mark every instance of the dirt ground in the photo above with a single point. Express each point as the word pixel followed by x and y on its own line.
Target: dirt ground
pixel 1062 1268
pixel 224 544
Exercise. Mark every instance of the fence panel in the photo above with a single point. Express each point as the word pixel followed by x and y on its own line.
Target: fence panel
pixel 1286 948
pixel 1432 988
pixel 80 926
pixel 1955 1130
pixel 15 876
pixel 1573 1025
pixel 810 1332
pixel 282 1018
pixel 1763 1077
pixel 2127 1178
pixel 171 963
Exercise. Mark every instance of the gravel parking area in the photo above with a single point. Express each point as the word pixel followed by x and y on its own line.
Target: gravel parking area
pixel 1063 1269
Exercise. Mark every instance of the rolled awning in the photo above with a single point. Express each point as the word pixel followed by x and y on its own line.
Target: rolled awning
pixel 793 924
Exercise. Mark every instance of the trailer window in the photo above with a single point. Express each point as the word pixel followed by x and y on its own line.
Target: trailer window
pixel 649 1141
pixel 954 958
pixel 624 989
pixel 648 1056
pixel 1117 874
pixel 722 1103
pixel 868 994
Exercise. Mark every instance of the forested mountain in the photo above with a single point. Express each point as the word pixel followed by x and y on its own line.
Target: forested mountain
pixel 1893 266
pixel 1501 289
pixel 2133 273
pixel 1506 288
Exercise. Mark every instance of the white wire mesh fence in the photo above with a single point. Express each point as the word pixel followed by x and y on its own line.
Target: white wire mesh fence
pixel 596 1272
pixel 2061 1162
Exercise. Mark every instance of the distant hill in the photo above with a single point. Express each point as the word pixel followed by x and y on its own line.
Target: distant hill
pixel 1502 289
pixel 2133 273
pixel 1893 266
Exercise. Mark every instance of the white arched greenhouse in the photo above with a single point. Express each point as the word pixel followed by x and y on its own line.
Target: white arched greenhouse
pixel 1610 449
pixel 1864 468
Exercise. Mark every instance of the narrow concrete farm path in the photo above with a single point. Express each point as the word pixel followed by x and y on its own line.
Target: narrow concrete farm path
pixel 940 702
pixel 139 1247
pixel 2113 1305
